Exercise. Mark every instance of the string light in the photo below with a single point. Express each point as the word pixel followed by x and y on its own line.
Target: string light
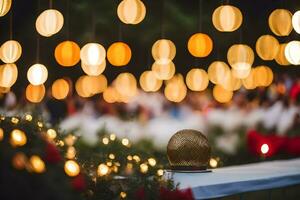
pixel 112 137
pixel 14 120
pixel 264 149
pixel 152 162
pixel 111 156
pixel 71 168
pixel 125 141
pixel 51 133
pixel 144 168
pixel 160 172
pixel 123 195
pixel 28 117
pixel 105 140
pixel 19 161
pixel 18 138
pixel 102 170
pixel 37 164
pixel 213 163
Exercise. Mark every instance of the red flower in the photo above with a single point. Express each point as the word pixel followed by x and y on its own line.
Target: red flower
pixel 78 183
pixel 166 194
pixel 52 154
pixel 293 146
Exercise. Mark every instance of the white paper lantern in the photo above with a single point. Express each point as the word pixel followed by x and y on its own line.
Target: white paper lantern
pixel 197 80
pixel 92 54
pixel 49 22
pixel 4 7
pixel 296 21
pixel 131 11
pixel 8 75
pixel 217 72
pixel 240 56
pixel 10 51
pixel 292 52
pixel 37 74
pixel 163 51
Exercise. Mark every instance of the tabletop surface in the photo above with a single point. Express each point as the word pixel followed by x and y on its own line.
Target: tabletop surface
pixel 238 179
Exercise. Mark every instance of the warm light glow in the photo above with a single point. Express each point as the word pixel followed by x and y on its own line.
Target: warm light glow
pixel 149 82
pixel 144 168
pixel 71 153
pixel 49 22
pixel 197 80
pixel 1 134
pixel 71 168
pixel 263 76
pixel 126 85
pixel 35 93
pixel 60 89
pixel 51 133
pixel 250 82
pixel 37 74
pixel 37 164
pixel 213 163
pixel 102 170
pixel 8 75
pixel 28 117
pixel 18 138
pixel 264 148
pixel 19 161
pixel 227 18
pixel 10 51
pixel 163 51
pixel 123 195
pixel 87 86
pixel 125 141
pixel 131 11
pixel 92 54
pixel 110 95
pixel 119 54
pixel 221 95
pixel 200 45
pixel 231 82
pixel 112 137
pixel 67 53
pixel 164 71
pixel 105 140
pixel 152 162
pixel 280 22
pixel 111 156
pixel 267 47
pixel 4 7
pixel 241 73
pixel 292 52
pixel 160 172
pixel 175 89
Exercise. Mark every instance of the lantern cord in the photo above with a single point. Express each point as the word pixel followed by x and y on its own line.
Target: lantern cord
pixel 200 15
pixel 162 28
pixel 11 24
pixel 50 4
pixel 38 38
pixel 93 23
pixel 241 35
pixel 120 35
pixel 68 19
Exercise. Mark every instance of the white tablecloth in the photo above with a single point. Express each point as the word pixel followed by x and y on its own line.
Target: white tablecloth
pixel 239 179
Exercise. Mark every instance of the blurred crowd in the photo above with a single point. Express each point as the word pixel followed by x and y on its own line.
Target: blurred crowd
pixel 276 108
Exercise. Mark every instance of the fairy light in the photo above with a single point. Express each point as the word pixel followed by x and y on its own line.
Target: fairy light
pixel 112 137
pixel 102 170
pixel 105 140
pixel 213 163
pixel 136 158
pixel 14 120
pixel 160 172
pixel 109 164
pixel 144 168
pixel 125 141
pixel 129 157
pixel 123 195
pixel 51 133
pixel 264 149
pixel 111 156
pixel 40 124
pixel 152 162
pixel 72 168
pixel 18 138
pixel 28 117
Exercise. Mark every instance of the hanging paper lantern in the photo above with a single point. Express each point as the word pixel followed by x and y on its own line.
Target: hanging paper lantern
pixel 217 71
pixel 35 93
pixel 164 71
pixel 93 70
pixel 4 7
pixel 60 89
pixel 82 89
pixel 280 57
pixel 263 76
pixel 92 54
pixel 67 53
pixel 4 90
pixel 8 75
pixel 119 54
pixel 163 51
pixel 149 81
pixel 230 82
pixel 37 74
pixel 200 45
pixel 227 18
pixel 10 51
pixel 126 85
pixel 240 56
pixel 250 82
pixel 292 52
pixel 131 11
pixel 296 21
pixel 49 22
pixel 175 90
pixel 197 80
pixel 280 22
pixel 221 95
pixel 97 83
pixel 110 95
pixel 267 47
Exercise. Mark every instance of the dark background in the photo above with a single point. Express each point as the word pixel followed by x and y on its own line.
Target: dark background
pixel 97 21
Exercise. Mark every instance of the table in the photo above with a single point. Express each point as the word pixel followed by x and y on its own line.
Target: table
pixel 228 181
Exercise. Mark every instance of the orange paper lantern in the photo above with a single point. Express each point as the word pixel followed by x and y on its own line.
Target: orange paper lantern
pixel 60 89
pixel 200 45
pixel 67 53
pixel 35 93
pixel 119 54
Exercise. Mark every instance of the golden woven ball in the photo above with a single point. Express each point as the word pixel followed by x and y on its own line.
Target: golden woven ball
pixel 188 149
